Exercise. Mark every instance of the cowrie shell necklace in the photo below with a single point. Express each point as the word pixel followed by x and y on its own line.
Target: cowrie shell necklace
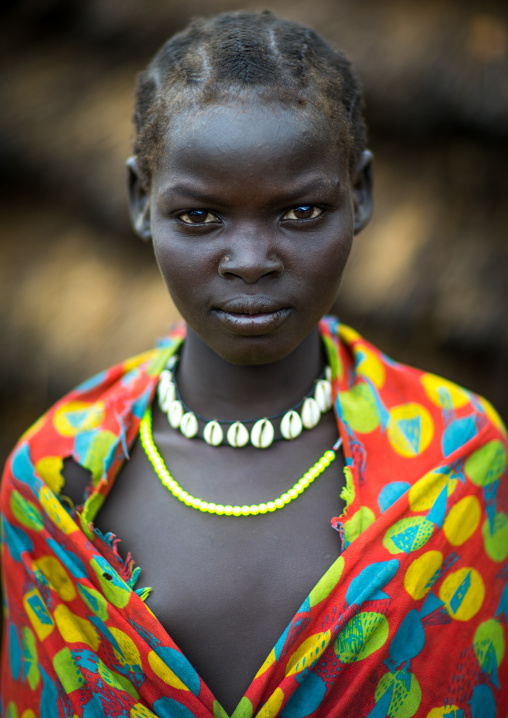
pixel 260 433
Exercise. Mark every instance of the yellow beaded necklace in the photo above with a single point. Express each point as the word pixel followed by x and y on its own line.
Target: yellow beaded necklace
pixel 145 435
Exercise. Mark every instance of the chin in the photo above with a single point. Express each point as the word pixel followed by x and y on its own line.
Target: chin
pixel 254 351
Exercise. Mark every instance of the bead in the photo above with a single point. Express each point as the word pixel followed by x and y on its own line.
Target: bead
pixel 189 425
pixel 311 413
pixel 237 434
pixel 175 413
pixel 323 395
pixel 291 425
pixel 328 374
pixel 213 433
pixel 145 433
pixel 262 434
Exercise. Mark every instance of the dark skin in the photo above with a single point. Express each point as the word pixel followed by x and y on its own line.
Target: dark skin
pixel 251 211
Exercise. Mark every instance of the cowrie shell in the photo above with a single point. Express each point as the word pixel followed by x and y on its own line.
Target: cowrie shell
pixel 323 395
pixel 237 434
pixel 172 361
pixel 164 378
pixel 189 425
pixel 168 398
pixel 262 433
pixel 213 433
pixel 311 413
pixel 291 425
pixel 175 413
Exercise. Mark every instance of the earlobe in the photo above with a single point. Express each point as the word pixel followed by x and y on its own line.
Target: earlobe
pixel 362 191
pixel 139 201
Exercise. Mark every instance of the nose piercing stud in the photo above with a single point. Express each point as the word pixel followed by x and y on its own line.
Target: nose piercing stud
pixel 226 258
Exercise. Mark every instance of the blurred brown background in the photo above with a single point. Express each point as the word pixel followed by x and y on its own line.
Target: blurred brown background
pixel 427 280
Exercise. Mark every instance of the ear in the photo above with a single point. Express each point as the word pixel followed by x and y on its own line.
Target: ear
pixel 139 201
pixel 362 191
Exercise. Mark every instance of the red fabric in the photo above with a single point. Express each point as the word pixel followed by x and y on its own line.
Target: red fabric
pixel 410 620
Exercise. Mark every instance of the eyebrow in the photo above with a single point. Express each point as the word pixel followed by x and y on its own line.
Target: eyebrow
pixel 184 190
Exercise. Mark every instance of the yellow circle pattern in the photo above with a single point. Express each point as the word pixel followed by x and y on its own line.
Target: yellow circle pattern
pixel 77 416
pixel 420 573
pixel 462 520
pixel 443 712
pixel 410 429
pixel 308 653
pixel 424 493
pixel 463 592
pixel 164 672
pixel 443 393
pixel 371 367
pixel 272 705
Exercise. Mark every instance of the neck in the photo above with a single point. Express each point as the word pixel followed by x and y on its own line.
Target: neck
pixel 212 386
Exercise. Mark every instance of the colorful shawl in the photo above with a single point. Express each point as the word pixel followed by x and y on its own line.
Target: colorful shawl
pixel 411 620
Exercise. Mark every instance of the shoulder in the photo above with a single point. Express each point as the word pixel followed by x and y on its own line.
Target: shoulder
pixel 410 418
pixel 92 424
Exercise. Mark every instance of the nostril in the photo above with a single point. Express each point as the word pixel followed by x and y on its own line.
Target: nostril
pixel 250 266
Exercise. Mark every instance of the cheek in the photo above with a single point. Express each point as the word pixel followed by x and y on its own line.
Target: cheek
pixel 183 265
pixel 326 263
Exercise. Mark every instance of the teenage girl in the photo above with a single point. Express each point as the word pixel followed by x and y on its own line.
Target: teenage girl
pixel 251 177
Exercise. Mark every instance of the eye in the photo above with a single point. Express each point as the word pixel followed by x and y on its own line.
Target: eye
pixel 304 211
pixel 198 216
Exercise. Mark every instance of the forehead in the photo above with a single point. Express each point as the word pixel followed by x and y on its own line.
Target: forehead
pixel 242 138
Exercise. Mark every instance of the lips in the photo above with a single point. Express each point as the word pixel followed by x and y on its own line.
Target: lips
pixel 250 305
pixel 251 316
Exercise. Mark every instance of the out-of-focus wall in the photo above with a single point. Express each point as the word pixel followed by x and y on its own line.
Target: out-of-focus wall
pixel 428 278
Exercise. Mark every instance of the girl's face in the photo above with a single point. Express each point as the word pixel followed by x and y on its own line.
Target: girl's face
pixel 252 213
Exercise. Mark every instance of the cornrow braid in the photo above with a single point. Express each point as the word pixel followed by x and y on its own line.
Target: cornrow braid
pixel 281 59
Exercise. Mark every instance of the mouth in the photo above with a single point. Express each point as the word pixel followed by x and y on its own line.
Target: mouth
pixel 252 316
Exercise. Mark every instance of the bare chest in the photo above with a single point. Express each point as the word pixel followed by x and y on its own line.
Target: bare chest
pixel 225 588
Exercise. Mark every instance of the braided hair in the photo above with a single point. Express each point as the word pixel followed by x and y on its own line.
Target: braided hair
pixel 224 56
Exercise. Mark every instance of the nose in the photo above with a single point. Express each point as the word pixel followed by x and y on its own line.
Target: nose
pixel 251 258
